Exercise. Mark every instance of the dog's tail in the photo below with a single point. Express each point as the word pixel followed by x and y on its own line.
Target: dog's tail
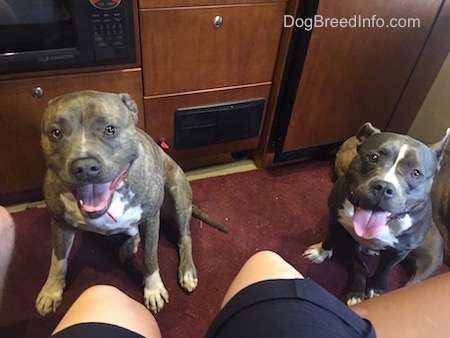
pixel 204 217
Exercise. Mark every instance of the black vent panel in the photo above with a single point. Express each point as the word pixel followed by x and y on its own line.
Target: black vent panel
pixel 212 124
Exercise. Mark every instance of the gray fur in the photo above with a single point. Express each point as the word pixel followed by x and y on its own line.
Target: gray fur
pixel 391 173
pixel 90 139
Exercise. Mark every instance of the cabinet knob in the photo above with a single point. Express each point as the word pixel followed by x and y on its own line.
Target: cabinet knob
pixel 37 92
pixel 217 21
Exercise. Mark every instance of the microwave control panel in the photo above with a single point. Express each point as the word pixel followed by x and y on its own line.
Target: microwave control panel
pixel 109 28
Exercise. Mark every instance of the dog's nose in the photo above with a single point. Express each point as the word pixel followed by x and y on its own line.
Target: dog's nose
pixel 384 189
pixel 86 168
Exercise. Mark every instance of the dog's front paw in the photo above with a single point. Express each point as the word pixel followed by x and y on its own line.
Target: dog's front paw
pixel 187 273
pixel 355 299
pixel 372 293
pixel 188 281
pixel 317 254
pixel 48 299
pixel 155 294
pixel 355 296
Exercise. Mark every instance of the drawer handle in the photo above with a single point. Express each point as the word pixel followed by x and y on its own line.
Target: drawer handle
pixel 217 21
pixel 37 92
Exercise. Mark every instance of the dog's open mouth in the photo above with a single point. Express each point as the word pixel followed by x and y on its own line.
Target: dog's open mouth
pixel 94 199
pixel 369 223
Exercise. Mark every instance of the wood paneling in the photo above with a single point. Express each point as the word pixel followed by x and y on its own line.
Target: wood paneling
pixel 182 51
pixel 427 68
pixel 354 75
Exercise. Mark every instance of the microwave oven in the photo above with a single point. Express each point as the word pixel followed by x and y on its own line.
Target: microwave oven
pixel 38 35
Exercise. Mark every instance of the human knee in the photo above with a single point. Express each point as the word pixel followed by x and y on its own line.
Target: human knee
pixel 271 260
pixel 267 257
pixel 3 212
pixel 7 236
pixel 101 291
pixel 6 221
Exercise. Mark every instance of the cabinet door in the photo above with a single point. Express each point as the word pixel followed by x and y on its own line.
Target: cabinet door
pixel 22 166
pixel 183 51
pixel 356 74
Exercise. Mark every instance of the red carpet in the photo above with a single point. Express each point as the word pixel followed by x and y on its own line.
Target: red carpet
pixel 281 209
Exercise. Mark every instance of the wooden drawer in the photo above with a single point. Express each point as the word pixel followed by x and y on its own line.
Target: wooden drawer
pixel 182 51
pixel 160 113
pixel 22 165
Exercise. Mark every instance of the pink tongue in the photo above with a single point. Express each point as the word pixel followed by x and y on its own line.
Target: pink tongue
pixel 93 197
pixel 369 223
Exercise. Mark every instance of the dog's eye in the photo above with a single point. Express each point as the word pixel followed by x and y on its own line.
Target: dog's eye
pixel 416 174
pixel 373 158
pixel 56 133
pixel 110 130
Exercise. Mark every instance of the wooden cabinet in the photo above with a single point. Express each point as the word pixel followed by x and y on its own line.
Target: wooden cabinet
pixel 199 53
pixel 185 50
pixel 22 166
pixel 350 75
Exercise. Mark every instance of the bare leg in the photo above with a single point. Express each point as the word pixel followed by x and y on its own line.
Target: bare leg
pixel 7 236
pixel 261 266
pixel 418 310
pixel 107 304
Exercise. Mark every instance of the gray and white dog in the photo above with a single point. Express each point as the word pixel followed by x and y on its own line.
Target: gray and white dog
pixel 381 204
pixel 107 176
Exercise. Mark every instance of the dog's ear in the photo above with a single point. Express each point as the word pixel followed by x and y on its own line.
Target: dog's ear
pixel 131 105
pixel 439 147
pixel 366 130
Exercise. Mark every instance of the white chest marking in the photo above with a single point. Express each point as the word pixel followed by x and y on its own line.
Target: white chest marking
pixel 120 217
pixel 386 238
pixel 391 174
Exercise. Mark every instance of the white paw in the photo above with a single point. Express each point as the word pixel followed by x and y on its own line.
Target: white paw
pixel 316 254
pixel 188 281
pixel 154 299
pixel 372 294
pixel 48 299
pixel 155 294
pixel 354 300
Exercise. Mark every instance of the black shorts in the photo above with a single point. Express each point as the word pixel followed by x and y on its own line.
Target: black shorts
pixel 96 330
pixel 287 308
